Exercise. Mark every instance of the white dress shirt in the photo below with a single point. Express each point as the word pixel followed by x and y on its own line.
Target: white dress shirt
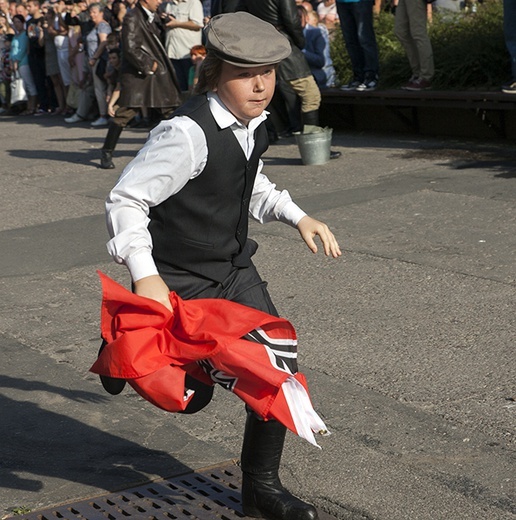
pixel 175 152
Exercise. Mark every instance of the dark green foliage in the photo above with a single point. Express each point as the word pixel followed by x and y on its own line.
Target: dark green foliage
pixel 469 51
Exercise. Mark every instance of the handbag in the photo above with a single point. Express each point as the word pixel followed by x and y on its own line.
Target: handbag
pixel 18 93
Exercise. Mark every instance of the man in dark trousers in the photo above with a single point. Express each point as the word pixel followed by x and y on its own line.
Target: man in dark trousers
pixel 147 77
pixel 294 70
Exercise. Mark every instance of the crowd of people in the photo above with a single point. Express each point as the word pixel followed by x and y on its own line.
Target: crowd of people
pixel 65 55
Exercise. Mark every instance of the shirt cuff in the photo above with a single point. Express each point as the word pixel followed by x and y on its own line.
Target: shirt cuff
pixel 292 214
pixel 141 265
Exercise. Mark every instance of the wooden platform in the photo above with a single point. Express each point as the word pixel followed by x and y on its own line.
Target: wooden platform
pixel 468 113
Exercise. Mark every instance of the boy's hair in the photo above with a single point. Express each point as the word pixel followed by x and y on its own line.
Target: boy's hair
pixel 114 50
pixel 19 17
pixel 209 73
pixel 113 40
pixel 198 49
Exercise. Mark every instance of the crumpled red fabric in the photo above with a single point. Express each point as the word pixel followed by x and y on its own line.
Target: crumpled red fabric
pixel 154 348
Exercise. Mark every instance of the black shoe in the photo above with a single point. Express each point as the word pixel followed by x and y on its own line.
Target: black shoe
pixel 334 154
pixel 112 385
pixel 106 161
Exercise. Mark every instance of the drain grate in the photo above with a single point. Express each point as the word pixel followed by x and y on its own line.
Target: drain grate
pixel 210 494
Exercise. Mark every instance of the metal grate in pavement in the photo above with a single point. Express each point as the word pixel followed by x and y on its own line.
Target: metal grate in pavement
pixel 209 494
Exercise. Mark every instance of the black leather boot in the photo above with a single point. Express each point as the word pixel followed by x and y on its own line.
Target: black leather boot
pixel 112 385
pixel 263 495
pixel 106 160
pixel 311 118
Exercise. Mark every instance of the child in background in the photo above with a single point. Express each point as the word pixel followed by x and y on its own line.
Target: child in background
pixel 197 55
pixel 113 80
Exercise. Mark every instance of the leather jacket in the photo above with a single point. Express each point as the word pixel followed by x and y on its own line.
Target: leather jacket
pixel 283 15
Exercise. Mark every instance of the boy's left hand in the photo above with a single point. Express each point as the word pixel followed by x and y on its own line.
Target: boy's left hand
pixel 308 227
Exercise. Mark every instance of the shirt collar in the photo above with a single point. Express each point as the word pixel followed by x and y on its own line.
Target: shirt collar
pixel 150 15
pixel 224 118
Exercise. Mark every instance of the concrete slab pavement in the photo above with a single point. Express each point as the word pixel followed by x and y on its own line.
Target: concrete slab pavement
pixel 407 340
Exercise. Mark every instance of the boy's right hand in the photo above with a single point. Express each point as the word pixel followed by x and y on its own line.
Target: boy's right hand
pixel 155 288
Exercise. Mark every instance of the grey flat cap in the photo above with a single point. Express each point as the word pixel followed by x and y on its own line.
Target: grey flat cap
pixel 243 40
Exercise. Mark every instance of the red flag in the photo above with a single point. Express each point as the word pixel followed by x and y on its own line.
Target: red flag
pixel 215 341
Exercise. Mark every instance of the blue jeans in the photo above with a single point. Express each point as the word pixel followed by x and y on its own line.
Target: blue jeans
pixel 509 30
pixel 356 23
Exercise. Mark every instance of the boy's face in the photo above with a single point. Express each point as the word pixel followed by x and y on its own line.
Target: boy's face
pixel 196 57
pixel 246 91
pixel 114 60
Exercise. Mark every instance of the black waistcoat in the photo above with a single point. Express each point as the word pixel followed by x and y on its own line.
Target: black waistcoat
pixel 203 227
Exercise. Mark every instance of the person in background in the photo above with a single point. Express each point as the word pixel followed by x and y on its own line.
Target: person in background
pixel 183 21
pixel 327 12
pixel 317 48
pixel 197 55
pixel 97 57
pixel 509 30
pixel 5 74
pixel 410 27
pixel 147 78
pixel 113 80
pixel 58 29
pixel 52 63
pixel 356 25
pixel 37 54
pixel 20 62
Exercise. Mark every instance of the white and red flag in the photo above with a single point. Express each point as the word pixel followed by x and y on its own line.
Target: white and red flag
pixel 213 340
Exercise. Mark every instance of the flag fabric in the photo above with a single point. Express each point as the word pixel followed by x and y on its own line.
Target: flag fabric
pixel 246 351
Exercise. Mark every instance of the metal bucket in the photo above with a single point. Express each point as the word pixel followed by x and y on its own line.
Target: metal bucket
pixel 315 147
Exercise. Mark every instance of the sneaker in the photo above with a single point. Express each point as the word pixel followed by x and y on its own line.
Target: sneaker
pixel 75 118
pixel 41 112
pixel 510 88
pixel 101 121
pixel 352 85
pixel 417 84
pixel 367 85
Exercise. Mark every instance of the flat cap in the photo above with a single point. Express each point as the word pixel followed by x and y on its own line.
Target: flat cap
pixel 244 40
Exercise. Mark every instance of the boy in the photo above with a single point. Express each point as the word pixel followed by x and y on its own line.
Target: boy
pixel 178 215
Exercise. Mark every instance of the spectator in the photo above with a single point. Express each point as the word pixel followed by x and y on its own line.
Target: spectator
pixel 147 78
pixel 21 9
pixel 317 48
pixel 509 29
pixel 5 75
pixel 58 29
pixel 51 62
pixel 119 10
pixel 113 80
pixel 37 53
pixel 197 55
pixel 5 24
pixel 96 41
pixel 13 4
pixel 75 57
pixel 356 24
pixel 20 62
pixel 183 20
pixel 327 11
pixel 410 27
